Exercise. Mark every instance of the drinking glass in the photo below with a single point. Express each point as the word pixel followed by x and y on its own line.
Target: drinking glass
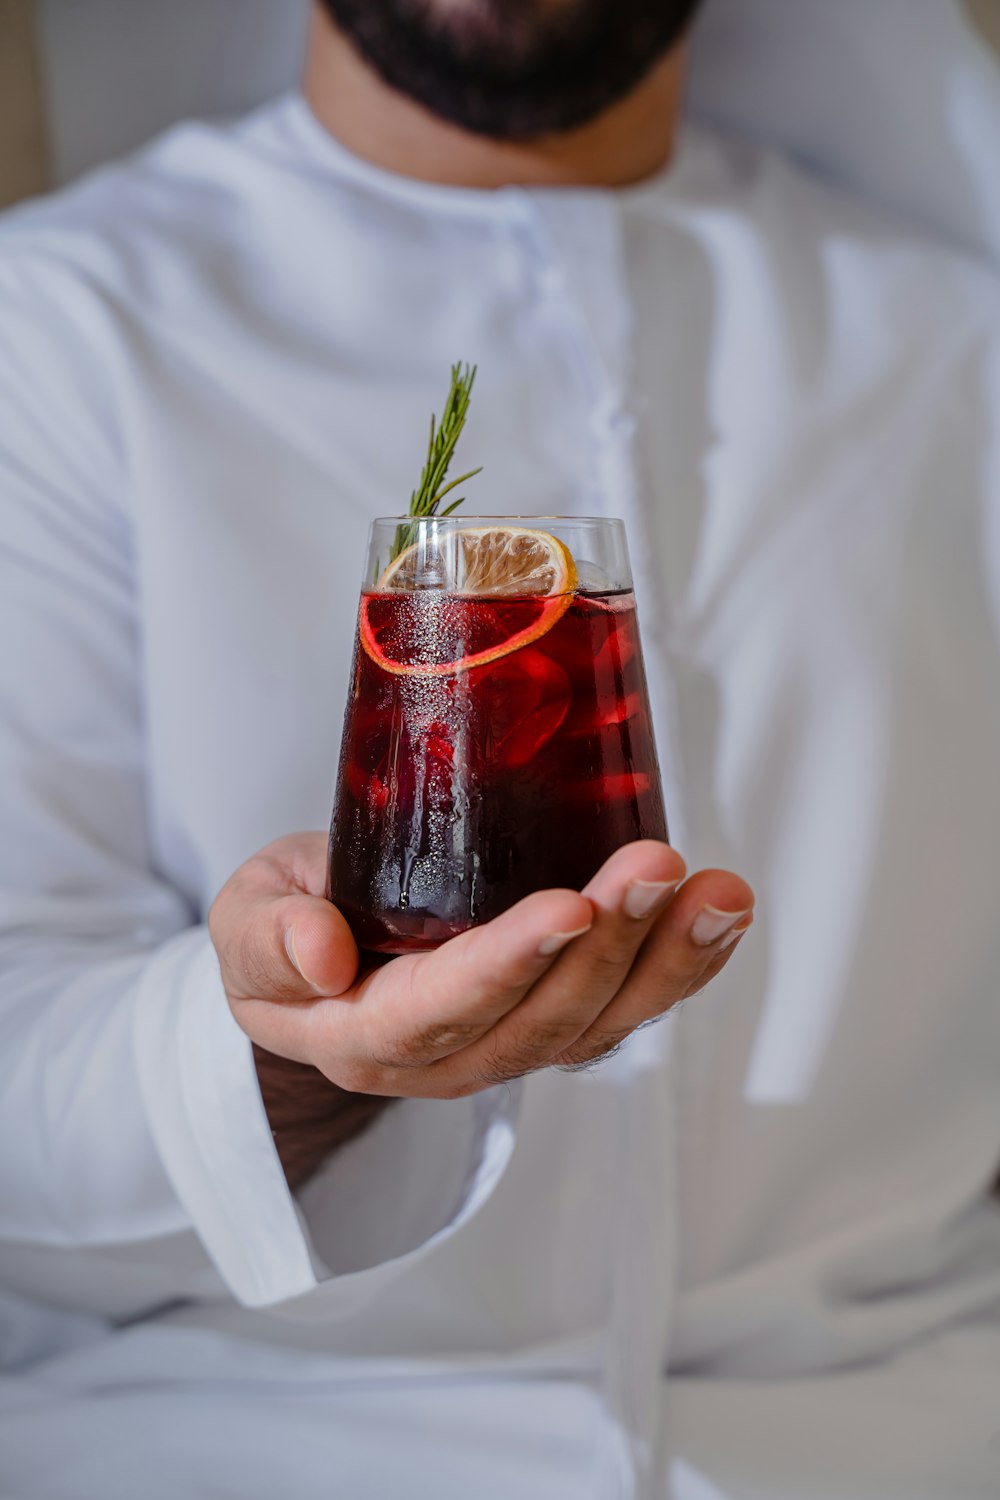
pixel 497 739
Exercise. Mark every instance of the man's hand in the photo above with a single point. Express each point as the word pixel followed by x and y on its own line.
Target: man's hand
pixel 559 980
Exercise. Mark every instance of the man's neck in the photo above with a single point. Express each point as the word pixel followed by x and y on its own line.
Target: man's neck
pixel 629 142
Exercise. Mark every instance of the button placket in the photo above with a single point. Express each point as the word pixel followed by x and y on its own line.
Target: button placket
pixel 574 247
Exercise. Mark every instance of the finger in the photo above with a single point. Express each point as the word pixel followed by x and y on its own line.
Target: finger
pixel 426 1006
pixel 277 946
pixel 690 943
pixel 319 942
pixel 627 893
pixel 704 912
pixel 723 952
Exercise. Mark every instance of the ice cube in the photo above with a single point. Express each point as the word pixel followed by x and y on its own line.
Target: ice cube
pixel 523 700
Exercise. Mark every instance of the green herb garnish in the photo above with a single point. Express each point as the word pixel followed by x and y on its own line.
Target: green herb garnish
pixel 440 451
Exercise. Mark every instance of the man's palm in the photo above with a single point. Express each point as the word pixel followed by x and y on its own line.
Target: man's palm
pixel 559 980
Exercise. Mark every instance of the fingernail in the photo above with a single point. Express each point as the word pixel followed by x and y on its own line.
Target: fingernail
pixel 711 924
pixel 556 941
pixel 644 896
pixel 292 954
pixel 734 936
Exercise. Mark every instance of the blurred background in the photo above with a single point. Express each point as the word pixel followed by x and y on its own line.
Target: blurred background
pixel 82 81
pixel 85 80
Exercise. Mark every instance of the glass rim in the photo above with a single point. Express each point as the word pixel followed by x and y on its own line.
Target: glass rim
pixel 458 520
pixel 441 549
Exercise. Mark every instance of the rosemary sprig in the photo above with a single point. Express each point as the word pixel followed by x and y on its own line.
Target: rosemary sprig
pixel 444 437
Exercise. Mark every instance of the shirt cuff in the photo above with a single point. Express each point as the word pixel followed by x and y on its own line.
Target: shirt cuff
pixel 434 1163
pixel 199 1083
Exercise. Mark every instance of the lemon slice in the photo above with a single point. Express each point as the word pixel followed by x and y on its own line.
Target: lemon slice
pixel 487 560
pixel 530 573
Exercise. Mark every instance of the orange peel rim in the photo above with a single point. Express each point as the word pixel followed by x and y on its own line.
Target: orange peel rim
pixel 554 606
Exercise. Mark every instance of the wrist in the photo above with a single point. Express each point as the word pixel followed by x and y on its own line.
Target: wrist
pixel 310 1117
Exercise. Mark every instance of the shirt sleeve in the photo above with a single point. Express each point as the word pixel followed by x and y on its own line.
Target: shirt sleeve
pixel 136 1161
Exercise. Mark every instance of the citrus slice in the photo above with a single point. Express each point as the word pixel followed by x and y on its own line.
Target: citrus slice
pixel 487 560
pixel 529 575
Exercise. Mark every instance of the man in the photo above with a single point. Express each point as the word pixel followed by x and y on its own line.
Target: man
pixel 752 1253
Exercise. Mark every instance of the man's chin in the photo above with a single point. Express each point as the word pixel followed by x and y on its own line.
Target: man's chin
pixel 513 69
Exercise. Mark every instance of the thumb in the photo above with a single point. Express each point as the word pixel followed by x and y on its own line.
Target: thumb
pixel 290 948
pixel 319 944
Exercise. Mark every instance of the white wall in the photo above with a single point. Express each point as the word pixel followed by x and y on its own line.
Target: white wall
pixel 159 61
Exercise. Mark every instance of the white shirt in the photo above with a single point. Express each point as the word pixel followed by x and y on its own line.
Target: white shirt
pixel 745 1256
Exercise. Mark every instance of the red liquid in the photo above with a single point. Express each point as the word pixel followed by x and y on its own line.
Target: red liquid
pixel 459 793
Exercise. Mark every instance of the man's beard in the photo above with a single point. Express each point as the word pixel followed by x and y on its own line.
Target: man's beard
pixel 513 69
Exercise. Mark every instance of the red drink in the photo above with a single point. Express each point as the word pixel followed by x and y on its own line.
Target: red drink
pixel 493 746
